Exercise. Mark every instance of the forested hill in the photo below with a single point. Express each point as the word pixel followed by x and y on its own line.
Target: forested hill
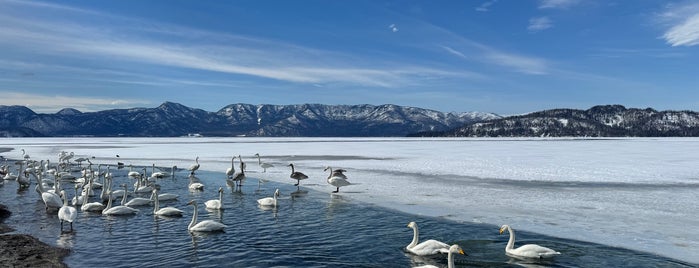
pixel 173 119
pixel 598 121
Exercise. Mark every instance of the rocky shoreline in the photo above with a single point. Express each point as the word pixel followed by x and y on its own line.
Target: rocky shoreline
pixel 20 250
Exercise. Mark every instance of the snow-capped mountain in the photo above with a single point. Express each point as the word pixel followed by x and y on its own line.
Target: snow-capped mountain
pixel 172 119
pixel 598 121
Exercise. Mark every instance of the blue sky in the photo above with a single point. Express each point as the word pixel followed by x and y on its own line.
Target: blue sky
pixel 506 57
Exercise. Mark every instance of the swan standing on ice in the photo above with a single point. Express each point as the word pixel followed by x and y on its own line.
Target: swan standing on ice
pixel 166 211
pixel 429 247
pixel 453 249
pixel 239 177
pixel 66 213
pixel 298 176
pixel 528 250
pixel 194 166
pixel 337 178
pixel 203 226
pixel 269 201
pixel 231 170
pixel 263 165
pixel 216 203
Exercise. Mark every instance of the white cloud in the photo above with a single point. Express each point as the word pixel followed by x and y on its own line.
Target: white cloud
pixel 393 28
pixel 560 4
pixel 539 24
pixel 51 104
pixel 683 23
pixel 221 53
pixel 485 6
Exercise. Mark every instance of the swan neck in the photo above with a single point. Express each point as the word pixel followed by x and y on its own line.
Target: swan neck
pixel 416 234
pixel 123 198
pixel 109 203
pixel 156 206
pixel 511 242
pixel 194 217
pixel 450 260
pixel 220 197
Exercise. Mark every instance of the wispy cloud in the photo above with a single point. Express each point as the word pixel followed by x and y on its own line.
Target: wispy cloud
pixel 454 52
pixel 560 4
pixel 50 104
pixel 683 23
pixel 539 24
pixel 221 53
pixel 485 6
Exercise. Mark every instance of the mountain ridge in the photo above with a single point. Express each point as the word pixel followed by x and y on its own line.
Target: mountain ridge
pixel 173 119
pixel 597 121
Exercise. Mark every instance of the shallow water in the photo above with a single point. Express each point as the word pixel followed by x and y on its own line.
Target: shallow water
pixel 309 229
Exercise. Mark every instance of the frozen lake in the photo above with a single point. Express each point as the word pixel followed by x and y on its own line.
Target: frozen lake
pixel 640 194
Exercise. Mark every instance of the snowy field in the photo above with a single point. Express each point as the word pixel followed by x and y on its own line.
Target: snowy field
pixel 639 193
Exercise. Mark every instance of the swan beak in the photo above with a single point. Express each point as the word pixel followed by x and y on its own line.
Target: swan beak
pixel 502 230
pixel 461 251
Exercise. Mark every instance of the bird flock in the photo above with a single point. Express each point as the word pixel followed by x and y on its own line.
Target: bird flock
pixel 71 171
pixel 50 179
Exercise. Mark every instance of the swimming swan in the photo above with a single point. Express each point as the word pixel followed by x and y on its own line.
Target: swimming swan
pixel 166 211
pixel 526 251
pixel 204 226
pixel 454 249
pixel 216 203
pixel 429 247
pixel 118 210
pixel 269 201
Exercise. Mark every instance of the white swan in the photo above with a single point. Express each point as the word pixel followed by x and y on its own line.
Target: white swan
pixel 118 210
pixel 158 174
pixel 263 165
pixel 194 185
pixel 231 170
pixel 337 178
pixel 528 250
pixel 429 247
pixel 214 203
pixel 269 201
pixel 203 226
pixel 133 174
pixel 51 200
pixel 136 201
pixel 298 176
pixel 165 197
pixel 166 211
pixel 66 213
pixel 453 249
pixel 194 166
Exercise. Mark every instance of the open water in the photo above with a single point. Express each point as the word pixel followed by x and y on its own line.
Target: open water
pixel 309 228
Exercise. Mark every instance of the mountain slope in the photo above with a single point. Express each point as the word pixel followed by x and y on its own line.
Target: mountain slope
pixel 598 121
pixel 172 119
